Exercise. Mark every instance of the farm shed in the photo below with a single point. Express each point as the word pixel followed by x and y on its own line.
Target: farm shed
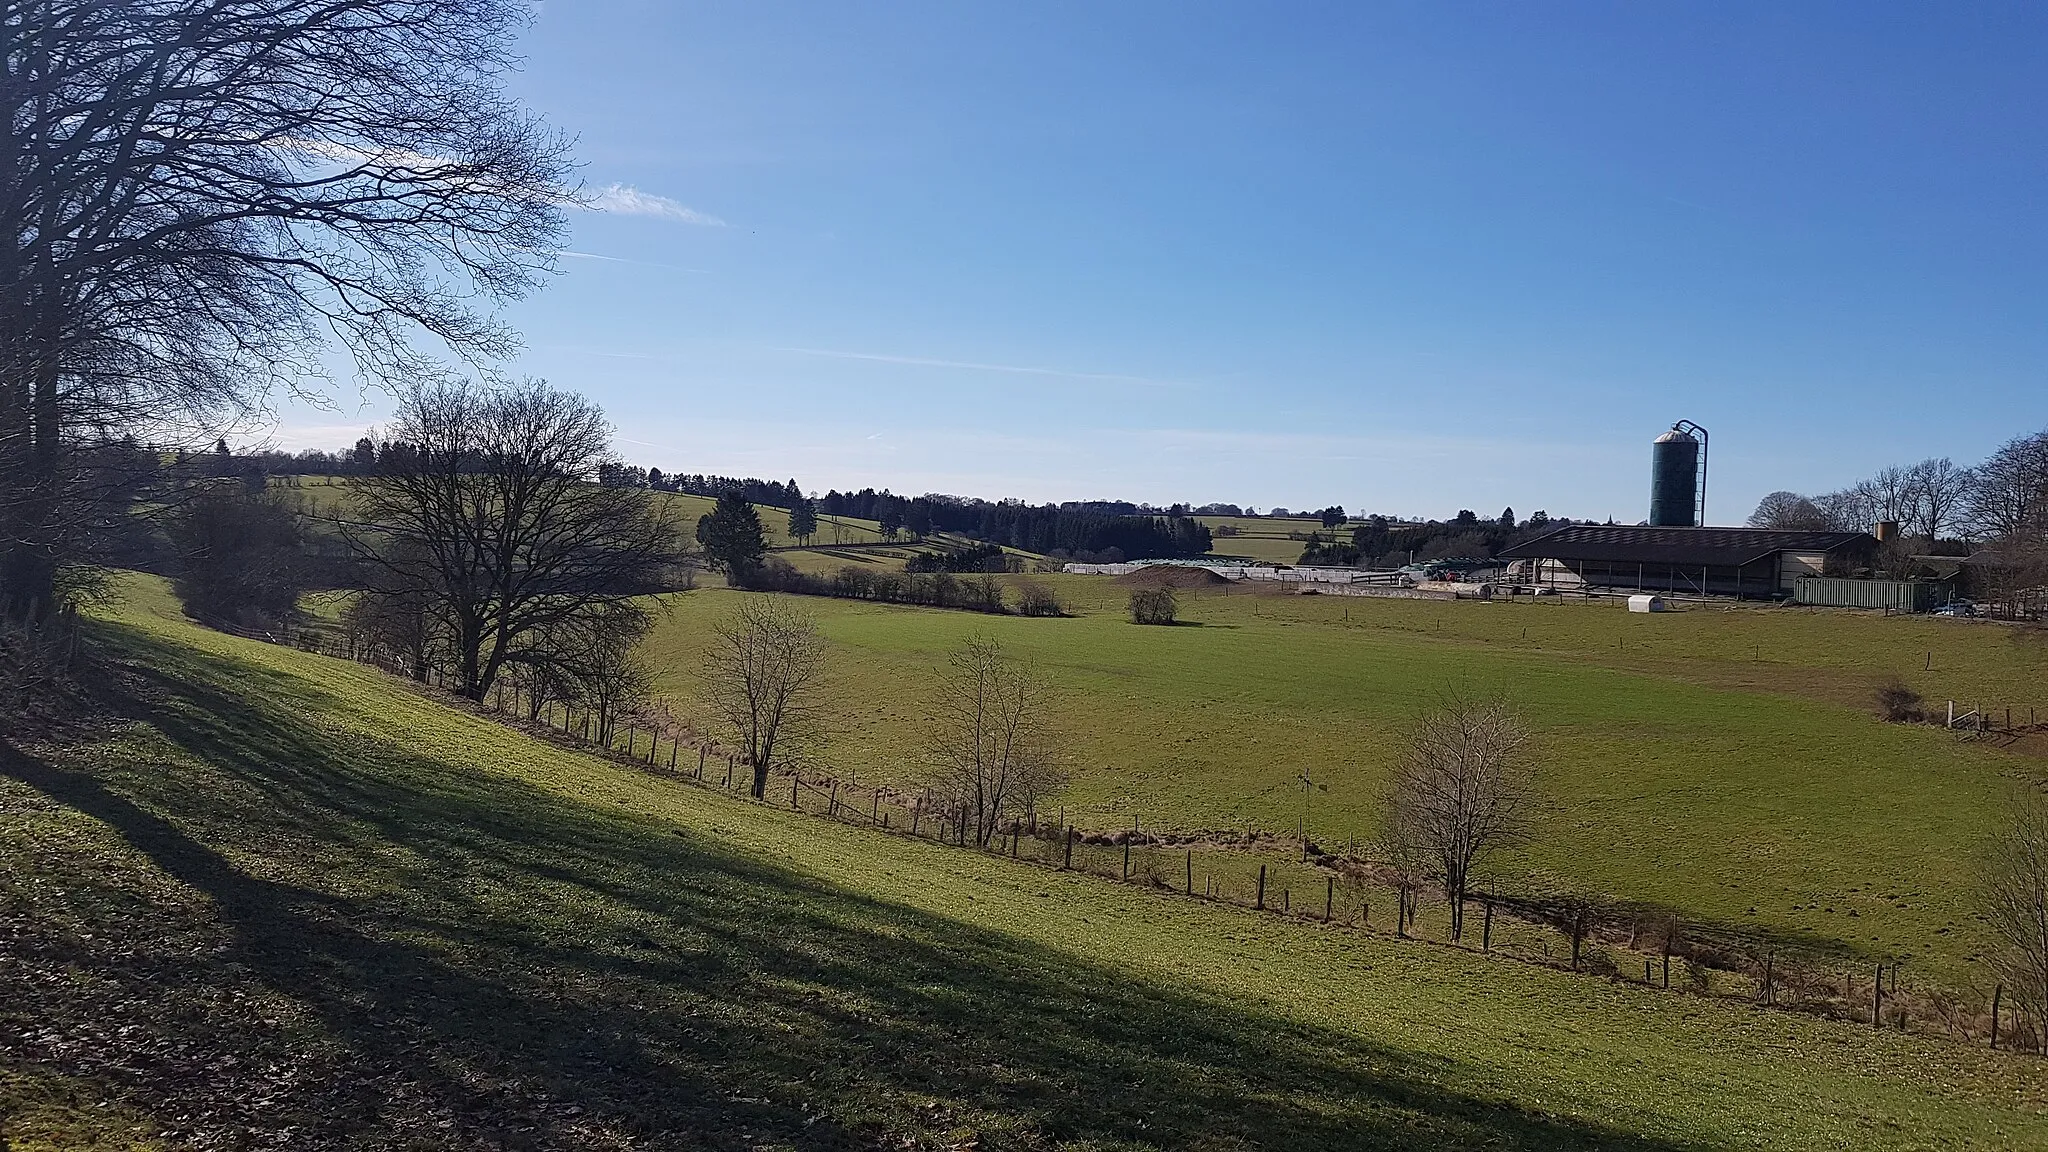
pixel 1897 595
pixel 1746 563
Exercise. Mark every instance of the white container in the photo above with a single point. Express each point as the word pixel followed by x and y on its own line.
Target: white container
pixel 1646 604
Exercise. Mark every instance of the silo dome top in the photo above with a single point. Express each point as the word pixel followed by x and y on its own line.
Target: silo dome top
pixel 1676 437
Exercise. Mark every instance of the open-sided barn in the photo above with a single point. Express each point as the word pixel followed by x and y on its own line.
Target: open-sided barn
pixel 1747 563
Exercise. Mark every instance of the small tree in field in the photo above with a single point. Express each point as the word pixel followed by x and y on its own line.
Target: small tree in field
pixel 732 537
pixel 1154 606
pixel 993 749
pixel 1459 792
pixel 2016 902
pixel 803 519
pixel 765 673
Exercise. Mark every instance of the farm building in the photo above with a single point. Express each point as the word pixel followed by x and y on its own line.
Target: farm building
pixel 1753 563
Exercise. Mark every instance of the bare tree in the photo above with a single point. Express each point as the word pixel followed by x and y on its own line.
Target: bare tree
pixel 1937 491
pixel 1788 510
pixel 994 750
pixel 2016 902
pixel 1888 495
pixel 765 678
pixel 2010 500
pixel 1852 509
pixel 609 678
pixel 483 497
pixel 197 195
pixel 1460 792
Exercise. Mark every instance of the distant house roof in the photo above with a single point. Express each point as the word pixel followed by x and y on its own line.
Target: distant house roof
pixel 1720 547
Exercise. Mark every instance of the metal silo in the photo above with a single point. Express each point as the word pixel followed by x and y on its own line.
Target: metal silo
pixel 1678 477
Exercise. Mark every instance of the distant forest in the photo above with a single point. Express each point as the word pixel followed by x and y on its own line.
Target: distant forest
pixel 1103 531
pixel 1380 543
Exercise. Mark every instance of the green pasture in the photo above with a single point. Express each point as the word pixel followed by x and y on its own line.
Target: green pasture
pixel 328 495
pixel 1723 763
pixel 1264 538
pixel 283 892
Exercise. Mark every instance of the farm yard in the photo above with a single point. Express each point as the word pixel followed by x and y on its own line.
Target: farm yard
pixel 403 918
pixel 1723 763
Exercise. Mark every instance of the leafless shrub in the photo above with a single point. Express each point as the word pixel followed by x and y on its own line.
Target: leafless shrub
pixel 1154 606
pixel 1035 598
pixel 983 593
pixel 1898 703
pixel 2016 903
pixel 993 752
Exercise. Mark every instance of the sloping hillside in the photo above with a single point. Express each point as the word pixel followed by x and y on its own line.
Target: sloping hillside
pixel 278 901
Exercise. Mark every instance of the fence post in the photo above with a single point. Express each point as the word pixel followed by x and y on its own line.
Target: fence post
pixel 1770 992
pixel 1127 859
pixel 832 805
pixel 1069 861
pixel 1997 996
pixel 1329 897
pixel 1486 929
pixel 1877 999
pixel 1260 902
pixel 1191 871
pixel 702 754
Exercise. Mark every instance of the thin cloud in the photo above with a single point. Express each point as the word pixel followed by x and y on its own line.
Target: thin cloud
pixel 972 366
pixel 566 253
pixel 627 200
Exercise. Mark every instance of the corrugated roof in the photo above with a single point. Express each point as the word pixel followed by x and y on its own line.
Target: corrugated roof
pixel 1720 547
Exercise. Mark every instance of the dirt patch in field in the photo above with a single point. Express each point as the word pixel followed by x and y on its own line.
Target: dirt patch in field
pixel 1172 576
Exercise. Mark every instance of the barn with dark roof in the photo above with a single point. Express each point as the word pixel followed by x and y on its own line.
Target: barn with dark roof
pixel 1746 563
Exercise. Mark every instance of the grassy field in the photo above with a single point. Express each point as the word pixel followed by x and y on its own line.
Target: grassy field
pixel 1724 763
pixel 1264 538
pixel 841 540
pixel 290 897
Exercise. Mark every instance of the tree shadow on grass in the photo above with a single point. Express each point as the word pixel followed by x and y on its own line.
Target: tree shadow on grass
pixel 440 957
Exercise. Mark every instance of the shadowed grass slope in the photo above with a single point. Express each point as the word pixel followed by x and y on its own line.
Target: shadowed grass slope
pixel 291 898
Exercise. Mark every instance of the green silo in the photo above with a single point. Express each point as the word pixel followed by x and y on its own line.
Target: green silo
pixel 1675 480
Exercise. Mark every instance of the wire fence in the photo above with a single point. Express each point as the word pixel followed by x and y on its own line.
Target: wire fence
pixel 1292 879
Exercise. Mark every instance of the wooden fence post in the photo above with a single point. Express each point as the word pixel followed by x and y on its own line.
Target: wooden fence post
pixel 1997 996
pixel 1191 871
pixel 1329 897
pixel 1877 999
pixel 703 753
pixel 1127 859
pixel 1260 902
pixel 1069 861
pixel 1770 991
pixel 1486 928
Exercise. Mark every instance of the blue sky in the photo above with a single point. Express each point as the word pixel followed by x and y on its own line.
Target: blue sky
pixel 1406 257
